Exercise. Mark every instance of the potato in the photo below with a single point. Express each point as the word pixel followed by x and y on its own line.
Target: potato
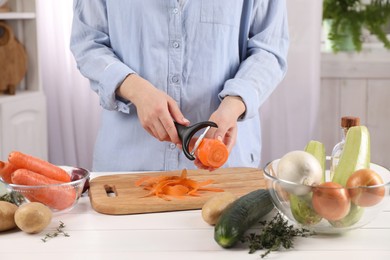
pixel 7 212
pixel 213 208
pixel 33 217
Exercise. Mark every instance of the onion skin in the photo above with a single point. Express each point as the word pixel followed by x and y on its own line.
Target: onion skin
pixel 359 189
pixel 301 169
pixel 331 201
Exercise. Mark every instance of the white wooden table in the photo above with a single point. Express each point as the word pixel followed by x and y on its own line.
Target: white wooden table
pixel 177 235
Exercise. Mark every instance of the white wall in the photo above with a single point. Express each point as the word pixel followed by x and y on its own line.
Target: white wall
pixel 290 116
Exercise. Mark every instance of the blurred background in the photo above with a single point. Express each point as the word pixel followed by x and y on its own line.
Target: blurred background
pixel 55 115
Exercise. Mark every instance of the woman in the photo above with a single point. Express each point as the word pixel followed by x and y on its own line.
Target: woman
pixel 159 61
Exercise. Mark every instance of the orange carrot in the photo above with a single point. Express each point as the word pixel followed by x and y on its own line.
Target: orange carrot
pixel 56 197
pixel 164 186
pixel 25 161
pixel 5 171
pixel 212 153
pixel 2 165
pixel 176 190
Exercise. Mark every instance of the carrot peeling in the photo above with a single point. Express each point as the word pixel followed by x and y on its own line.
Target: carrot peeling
pixel 25 161
pixel 165 187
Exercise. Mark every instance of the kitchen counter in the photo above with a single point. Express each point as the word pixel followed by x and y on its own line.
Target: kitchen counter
pixel 177 235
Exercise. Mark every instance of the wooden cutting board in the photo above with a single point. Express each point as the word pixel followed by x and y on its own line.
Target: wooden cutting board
pixel 13 60
pixel 117 194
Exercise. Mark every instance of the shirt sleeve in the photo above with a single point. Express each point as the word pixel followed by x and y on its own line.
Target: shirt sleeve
pixel 265 64
pixel 90 45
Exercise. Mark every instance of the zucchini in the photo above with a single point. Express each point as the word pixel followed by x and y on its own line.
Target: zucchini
pixel 301 207
pixel 355 155
pixel 317 149
pixel 242 214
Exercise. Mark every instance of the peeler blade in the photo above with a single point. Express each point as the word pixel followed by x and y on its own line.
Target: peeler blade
pixel 197 143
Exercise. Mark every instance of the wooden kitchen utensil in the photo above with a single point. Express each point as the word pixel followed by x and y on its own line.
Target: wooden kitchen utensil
pixel 4 6
pixel 117 194
pixel 13 60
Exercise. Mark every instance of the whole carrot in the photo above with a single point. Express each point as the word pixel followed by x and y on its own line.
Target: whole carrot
pixel 56 197
pixel 30 178
pixel 6 169
pixel 25 161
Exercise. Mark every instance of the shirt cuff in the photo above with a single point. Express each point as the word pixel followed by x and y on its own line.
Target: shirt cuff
pixel 110 80
pixel 239 87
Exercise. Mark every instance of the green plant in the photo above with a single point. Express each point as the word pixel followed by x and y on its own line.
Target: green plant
pixel 351 17
pixel 274 234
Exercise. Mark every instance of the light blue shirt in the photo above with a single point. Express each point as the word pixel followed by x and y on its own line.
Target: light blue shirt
pixel 192 52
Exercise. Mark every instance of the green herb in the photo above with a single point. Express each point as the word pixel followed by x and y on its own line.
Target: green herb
pixel 352 17
pixel 56 233
pixel 13 197
pixel 274 234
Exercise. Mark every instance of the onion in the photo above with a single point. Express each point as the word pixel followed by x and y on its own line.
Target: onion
pixel 365 188
pixel 300 168
pixel 331 201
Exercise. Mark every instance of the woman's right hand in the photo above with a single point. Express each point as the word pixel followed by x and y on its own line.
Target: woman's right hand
pixel 156 110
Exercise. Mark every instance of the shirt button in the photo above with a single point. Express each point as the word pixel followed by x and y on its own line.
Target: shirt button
pixel 172 146
pixel 175 79
pixel 176 45
pixel 175 10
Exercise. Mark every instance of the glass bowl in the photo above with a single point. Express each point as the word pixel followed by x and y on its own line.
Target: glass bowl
pixel 58 197
pixel 319 213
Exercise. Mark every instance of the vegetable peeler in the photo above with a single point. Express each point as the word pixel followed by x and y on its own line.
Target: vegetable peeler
pixel 187 132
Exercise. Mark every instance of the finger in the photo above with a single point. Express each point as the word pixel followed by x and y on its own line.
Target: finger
pixel 219 133
pixel 170 130
pixel 159 131
pixel 211 133
pixel 150 131
pixel 200 165
pixel 228 137
pixel 176 114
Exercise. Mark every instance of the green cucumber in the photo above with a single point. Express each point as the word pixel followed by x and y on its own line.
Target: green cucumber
pixel 355 155
pixel 301 207
pixel 241 215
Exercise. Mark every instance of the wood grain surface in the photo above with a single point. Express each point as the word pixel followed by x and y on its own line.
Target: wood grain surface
pixel 117 194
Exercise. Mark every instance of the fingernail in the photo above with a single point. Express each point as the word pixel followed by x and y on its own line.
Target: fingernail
pixel 185 120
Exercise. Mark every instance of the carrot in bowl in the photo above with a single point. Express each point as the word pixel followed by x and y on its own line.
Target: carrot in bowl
pixel 56 197
pixel 212 153
pixel 6 169
pixel 25 161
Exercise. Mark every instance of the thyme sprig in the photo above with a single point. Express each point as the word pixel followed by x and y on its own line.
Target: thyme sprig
pixel 59 231
pixel 274 234
pixel 13 197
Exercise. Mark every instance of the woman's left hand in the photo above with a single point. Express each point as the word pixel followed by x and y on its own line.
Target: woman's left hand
pixel 226 116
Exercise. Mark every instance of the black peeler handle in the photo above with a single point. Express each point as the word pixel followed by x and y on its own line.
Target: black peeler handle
pixel 187 132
